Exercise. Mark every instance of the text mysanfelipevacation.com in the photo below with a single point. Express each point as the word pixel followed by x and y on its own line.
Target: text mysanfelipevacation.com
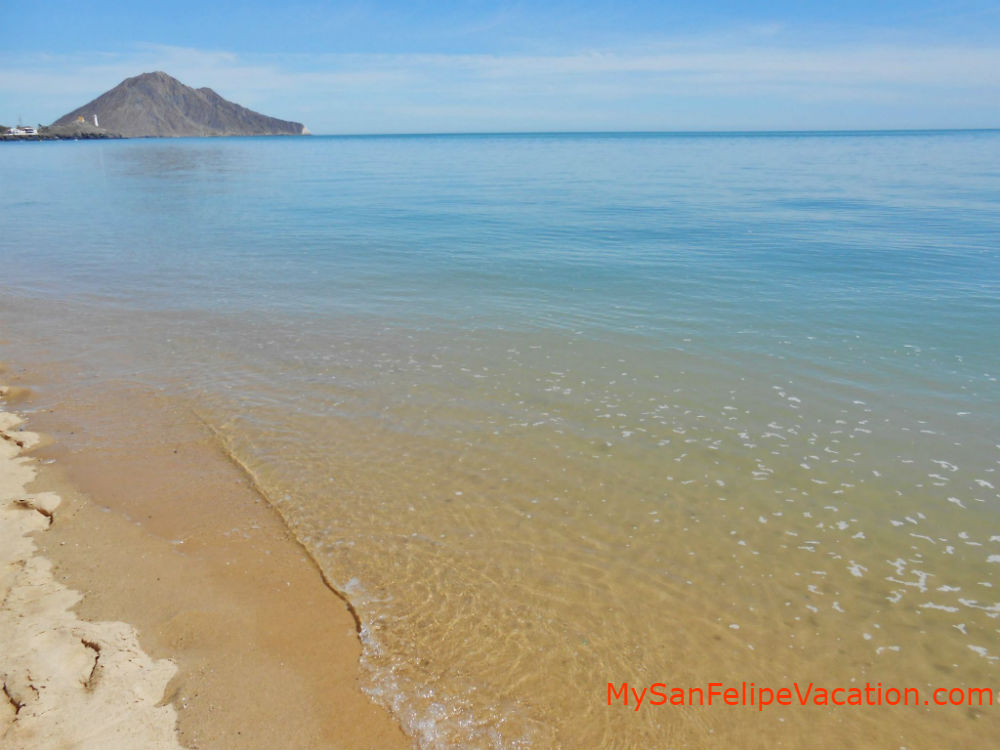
pixel 798 694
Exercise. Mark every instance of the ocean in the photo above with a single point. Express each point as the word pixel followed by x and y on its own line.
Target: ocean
pixel 556 411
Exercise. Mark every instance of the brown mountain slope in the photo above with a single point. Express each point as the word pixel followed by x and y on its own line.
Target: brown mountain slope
pixel 155 104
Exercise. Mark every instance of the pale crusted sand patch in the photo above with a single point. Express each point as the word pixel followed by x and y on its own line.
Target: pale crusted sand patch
pixel 65 682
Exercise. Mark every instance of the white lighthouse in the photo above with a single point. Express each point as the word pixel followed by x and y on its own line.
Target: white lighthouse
pixel 95 121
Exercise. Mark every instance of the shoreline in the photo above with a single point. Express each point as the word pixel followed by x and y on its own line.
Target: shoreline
pixel 265 653
pixel 50 137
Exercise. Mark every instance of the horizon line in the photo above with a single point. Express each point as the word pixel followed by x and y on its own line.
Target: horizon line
pixel 780 131
pixel 518 133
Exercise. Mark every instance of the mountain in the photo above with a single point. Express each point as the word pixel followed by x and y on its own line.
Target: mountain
pixel 155 104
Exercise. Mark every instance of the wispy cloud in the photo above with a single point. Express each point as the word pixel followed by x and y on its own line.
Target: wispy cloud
pixel 895 85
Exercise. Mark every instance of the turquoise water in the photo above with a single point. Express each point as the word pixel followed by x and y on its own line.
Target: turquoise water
pixel 564 409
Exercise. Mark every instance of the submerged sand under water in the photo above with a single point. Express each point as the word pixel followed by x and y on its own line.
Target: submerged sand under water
pixel 534 524
pixel 520 519
pixel 560 411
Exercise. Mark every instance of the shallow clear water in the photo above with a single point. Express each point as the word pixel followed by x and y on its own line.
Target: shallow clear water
pixel 563 410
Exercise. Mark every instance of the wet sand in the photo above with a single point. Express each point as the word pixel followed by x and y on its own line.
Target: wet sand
pixel 66 682
pixel 159 529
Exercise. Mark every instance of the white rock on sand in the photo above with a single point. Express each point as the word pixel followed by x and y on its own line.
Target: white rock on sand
pixel 66 682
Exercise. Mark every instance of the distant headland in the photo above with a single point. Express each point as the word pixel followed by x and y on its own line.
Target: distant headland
pixel 156 105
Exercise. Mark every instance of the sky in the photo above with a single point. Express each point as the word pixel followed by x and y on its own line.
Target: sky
pixel 490 66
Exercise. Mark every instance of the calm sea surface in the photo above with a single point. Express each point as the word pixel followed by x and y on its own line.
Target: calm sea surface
pixel 562 410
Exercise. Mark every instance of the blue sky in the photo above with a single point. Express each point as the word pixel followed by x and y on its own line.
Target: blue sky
pixel 383 67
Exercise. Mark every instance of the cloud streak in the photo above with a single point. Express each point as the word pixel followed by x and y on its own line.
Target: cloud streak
pixel 720 84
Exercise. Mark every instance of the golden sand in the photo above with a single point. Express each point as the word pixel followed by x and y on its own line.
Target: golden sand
pixel 234 638
pixel 66 681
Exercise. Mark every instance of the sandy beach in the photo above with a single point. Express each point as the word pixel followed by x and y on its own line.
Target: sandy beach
pixel 66 681
pixel 553 411
pixel 151 597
